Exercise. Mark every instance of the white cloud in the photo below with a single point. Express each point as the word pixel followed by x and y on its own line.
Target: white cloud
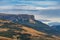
pixel 28 7
pixel 39 17
pixel 48 8
pixel 25 7
pixel 6 7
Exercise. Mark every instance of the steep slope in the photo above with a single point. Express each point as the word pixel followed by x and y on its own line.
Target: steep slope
pixel 12 25
pixel 55 26
pixel 16 31
pixel 17 27
pixel 29 21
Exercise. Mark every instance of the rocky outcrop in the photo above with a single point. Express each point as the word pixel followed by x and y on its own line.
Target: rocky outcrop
pixel 17 18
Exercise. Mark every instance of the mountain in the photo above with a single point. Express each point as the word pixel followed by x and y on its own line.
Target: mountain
pixel 16 18
pixel 27 20
pixel 54 23
pixel 14 31
pixel 27 25
pixel 57 28
pixel 23 19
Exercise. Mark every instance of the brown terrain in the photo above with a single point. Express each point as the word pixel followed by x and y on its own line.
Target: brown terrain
pixel 34 34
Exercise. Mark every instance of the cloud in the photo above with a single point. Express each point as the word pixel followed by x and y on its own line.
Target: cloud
pixel 47 20
pixel 44 20
pixel 6 7
pixel 48 8
pixel 29 5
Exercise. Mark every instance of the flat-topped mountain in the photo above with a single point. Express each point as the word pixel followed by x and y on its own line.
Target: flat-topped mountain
pixel 29 23
pixel 24 19
pixel 17 18
pixel 27 20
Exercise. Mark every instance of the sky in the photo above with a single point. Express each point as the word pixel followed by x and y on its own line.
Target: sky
pixel 44 10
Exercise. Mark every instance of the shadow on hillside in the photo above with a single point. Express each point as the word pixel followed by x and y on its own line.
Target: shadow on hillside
pixel 25 37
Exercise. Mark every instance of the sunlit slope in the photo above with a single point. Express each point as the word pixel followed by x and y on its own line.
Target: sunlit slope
pixel 10 29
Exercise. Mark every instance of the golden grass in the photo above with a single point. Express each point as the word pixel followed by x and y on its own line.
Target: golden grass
pixel 4 29
pixel 32 31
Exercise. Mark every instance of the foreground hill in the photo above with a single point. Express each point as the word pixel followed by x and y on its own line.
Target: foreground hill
pixel 13 31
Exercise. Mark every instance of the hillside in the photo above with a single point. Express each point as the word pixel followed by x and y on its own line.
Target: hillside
pixel 13 31
pixel 27 20
pixel 25 27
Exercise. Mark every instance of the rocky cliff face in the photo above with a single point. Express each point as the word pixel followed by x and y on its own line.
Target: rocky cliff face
pixel 17 18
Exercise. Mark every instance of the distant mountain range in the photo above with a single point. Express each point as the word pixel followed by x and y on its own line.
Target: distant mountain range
pixel 54 23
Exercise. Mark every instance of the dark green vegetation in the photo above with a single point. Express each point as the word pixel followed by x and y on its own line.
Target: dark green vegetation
pixel 11 32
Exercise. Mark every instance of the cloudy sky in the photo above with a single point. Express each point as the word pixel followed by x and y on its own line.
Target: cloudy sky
pixel 44 10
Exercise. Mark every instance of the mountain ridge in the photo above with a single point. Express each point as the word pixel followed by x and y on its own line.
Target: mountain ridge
pixel 28 21
pixel 16 30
